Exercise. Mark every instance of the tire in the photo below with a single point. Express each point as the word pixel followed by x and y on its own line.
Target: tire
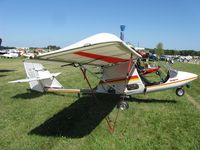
pixel 123 105
pixel 180 92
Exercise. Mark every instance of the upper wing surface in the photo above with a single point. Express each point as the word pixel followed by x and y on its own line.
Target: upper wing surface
pixel 100 49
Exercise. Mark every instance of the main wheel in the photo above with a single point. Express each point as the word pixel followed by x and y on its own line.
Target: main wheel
pixel 180 92
pixel 122 105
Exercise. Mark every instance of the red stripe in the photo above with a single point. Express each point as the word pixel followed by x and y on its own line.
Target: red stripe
pixel 108 59
pixel 129 64
pixel 151 70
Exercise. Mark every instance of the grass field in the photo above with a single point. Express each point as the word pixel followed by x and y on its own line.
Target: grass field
pixel 30 120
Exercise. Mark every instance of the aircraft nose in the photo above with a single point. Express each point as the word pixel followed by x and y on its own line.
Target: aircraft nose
pixel 192 75
pixel 187 75
pixel 195 75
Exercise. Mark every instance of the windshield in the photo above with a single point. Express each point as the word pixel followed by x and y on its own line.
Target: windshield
pixel 156 72
pixel 168 68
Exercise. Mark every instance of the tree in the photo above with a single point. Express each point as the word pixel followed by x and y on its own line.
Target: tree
pixel 53 47
pixel 159 49
pixel 0 42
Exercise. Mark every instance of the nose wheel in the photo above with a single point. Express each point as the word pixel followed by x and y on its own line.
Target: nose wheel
pixel 180 91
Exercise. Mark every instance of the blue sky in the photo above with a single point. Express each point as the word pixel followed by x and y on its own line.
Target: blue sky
pixel 25 23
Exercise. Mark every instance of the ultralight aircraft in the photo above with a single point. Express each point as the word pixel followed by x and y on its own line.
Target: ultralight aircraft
pixel 120 72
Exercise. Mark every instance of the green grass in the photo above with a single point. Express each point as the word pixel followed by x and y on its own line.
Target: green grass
pixel 62 121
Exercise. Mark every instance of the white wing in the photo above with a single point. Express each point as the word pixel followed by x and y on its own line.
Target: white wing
pixel 100 49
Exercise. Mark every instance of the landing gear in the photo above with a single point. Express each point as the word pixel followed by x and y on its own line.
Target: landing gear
pixel 187 85
pixel 180 91
pixel 79 95
pixel 123 105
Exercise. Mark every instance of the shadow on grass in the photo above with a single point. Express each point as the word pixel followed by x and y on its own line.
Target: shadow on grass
pixel 150 100
pixel 79 119
pixel 3 75
pixel 33 94
pixel 6 70
pixel 83 116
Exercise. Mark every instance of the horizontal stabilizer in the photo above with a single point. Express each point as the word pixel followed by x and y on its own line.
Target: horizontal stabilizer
pixel 23 80
pixel 55 74
pixel 35 79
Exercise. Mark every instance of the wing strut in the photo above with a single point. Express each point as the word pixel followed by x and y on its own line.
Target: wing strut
pixel 110 123
pixel 84 69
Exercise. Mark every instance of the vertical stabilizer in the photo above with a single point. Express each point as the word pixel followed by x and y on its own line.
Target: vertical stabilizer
pixel 39 78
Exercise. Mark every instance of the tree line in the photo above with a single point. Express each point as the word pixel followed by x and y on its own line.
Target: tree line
pixel 176 52
pixel 159 50
pixel 6 47
pixel 49 47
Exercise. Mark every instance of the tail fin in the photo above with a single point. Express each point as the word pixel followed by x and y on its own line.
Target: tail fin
pixel 39 78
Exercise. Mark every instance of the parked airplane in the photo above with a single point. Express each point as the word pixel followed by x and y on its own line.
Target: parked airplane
pixel 120 72
pixel 12 53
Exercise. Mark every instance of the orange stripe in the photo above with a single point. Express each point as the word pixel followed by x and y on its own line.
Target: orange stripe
pixel 170 83
pixel 120 80
pixel 64 90
pixel 133 77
